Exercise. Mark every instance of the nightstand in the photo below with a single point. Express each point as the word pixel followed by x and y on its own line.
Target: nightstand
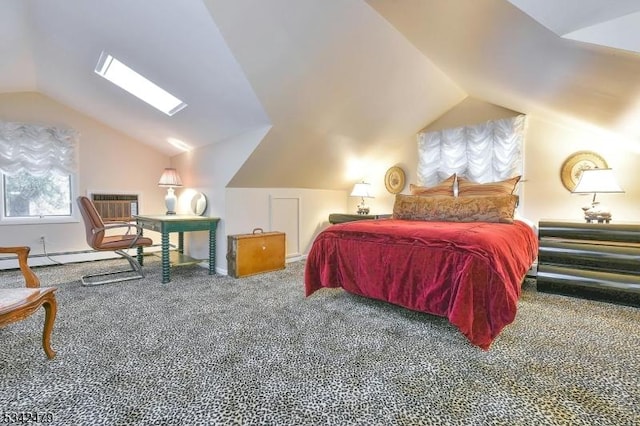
pixel 592 260
pixel 346 217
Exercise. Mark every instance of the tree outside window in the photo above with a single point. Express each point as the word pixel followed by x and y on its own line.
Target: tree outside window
pixel 28 195
pixel 37 173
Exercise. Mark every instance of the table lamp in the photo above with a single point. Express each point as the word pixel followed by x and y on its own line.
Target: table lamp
pixel 362 190
pixel 170 179
pixel 597 181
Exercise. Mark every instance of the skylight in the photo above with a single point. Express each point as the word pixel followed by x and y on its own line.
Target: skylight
pixel 129 80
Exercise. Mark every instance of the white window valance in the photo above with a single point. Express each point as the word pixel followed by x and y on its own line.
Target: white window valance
pixel 37 149
pixel 486 152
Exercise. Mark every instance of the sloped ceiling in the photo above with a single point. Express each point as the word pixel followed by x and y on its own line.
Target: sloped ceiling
pixel 335 79
pixel 500 54
pixel 612 24
pixel 338 82
pixel 52 46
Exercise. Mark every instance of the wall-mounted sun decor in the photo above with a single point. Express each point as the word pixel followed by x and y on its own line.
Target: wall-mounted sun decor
pixel 394 180
pixel 577 162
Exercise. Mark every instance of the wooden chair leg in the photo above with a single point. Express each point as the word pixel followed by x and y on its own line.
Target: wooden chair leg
pixel 17 304
pixel 51 308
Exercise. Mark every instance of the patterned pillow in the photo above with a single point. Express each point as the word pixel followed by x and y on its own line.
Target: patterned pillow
pixel 467 188
pixel 497 208
pixel 443 188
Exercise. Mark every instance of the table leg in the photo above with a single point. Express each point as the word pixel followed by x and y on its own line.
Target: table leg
pixel 212 249
pixel 181 242
pixel 140 250
pixel 166 277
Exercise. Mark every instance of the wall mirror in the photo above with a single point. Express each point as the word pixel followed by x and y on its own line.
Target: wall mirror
pixel 198 204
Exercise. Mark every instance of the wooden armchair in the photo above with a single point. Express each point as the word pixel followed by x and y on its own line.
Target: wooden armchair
pixel 18 303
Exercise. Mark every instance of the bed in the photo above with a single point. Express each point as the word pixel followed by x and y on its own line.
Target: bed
pixel 469 272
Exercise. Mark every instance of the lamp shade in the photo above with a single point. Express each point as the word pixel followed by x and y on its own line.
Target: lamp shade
pixel 170 178
pixel 362 190
pixel 597 181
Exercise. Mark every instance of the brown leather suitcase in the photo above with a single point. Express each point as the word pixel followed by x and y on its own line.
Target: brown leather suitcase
pixel 255 253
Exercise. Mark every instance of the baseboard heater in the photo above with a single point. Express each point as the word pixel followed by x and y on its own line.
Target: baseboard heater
pixel 50 259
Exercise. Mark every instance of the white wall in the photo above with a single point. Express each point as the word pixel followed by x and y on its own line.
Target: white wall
pixel 302 212
pixel 108 161
pixel 250 208
pixel 208 170
pixel 549 141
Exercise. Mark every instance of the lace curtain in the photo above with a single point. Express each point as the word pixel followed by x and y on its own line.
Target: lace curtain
pixel 486 152
pixel 36 149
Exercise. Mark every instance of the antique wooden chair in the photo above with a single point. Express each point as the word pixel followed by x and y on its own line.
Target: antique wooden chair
pixel 97 238
pixel 18 303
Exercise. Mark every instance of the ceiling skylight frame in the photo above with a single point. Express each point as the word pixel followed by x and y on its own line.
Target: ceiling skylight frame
pixel 136 84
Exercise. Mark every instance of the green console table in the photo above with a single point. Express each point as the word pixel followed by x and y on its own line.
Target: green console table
pixel 165 224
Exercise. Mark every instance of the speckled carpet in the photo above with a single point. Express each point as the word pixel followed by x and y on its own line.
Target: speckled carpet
pixel 217 350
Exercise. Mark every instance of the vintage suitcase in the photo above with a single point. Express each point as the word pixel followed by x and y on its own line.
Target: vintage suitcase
pixel 255 253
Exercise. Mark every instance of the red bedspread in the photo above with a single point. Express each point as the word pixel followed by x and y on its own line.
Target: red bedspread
pixel 470 273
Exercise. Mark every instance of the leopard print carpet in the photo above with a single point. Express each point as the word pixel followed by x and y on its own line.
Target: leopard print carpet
pixel 209 350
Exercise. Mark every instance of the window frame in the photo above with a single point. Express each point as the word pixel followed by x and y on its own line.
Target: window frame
pixel 40 220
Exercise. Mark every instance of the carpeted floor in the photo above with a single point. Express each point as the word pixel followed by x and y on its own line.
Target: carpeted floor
pixel 217 350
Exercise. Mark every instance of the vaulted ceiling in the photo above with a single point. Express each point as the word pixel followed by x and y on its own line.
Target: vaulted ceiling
pixel 53 47
pixel 332 78
pixel 499 53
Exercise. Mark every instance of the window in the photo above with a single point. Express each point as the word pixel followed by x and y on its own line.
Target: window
pixel 37 174
pixel 28 195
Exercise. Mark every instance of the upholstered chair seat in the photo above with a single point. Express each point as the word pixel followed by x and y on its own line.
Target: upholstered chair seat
pixel 98 238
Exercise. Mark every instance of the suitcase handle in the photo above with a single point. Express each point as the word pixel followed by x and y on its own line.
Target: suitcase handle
pixel 258 231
